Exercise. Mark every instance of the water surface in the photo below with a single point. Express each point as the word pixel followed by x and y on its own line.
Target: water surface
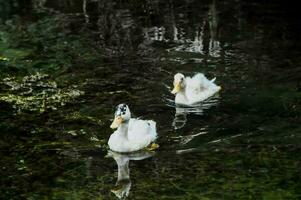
pixel 65 65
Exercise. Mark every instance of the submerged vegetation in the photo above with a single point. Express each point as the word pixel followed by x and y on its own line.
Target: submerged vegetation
pixel 64 65
pixel 36 93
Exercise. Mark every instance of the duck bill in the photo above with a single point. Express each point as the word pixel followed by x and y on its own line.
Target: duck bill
pixel 117 121
pixel 176 89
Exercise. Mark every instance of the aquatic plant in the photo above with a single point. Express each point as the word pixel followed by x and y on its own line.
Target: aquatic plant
pixel 36 93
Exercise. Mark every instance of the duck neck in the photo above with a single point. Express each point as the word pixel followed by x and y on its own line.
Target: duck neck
pixel 123 129
pixel 181 95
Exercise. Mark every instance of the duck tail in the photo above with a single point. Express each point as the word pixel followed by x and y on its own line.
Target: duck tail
pixel 152 124
pixel 153 128
pixel 212 80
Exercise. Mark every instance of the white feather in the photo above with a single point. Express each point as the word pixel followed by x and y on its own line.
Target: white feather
pixel 196 89
pixel 135 135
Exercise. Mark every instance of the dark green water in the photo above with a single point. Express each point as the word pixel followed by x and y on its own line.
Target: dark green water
pixel 65 65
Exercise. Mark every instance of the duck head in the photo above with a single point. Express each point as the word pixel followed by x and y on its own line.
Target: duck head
pixel 122 114
pixel 178 83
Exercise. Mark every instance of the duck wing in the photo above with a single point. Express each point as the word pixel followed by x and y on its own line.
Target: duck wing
pixel 141 132
pixel 199 88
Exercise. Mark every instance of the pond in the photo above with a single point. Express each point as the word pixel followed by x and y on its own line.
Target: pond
pixel 66 64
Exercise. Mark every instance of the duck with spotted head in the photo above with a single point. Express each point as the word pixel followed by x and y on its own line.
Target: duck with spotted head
pixel 131 134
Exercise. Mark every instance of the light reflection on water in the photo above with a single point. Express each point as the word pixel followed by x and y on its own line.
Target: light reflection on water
pixel 197 109
pixel 123 183
pixel 197 43
pixel 181 111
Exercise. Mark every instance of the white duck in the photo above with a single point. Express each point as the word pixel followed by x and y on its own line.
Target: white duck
pixel 192 90
pixel 131 134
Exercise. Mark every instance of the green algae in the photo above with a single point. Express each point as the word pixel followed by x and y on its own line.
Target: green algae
pixel 36 93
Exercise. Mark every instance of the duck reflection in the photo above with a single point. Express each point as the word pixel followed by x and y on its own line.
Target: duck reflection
pixel 123 183
pixel 197 109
